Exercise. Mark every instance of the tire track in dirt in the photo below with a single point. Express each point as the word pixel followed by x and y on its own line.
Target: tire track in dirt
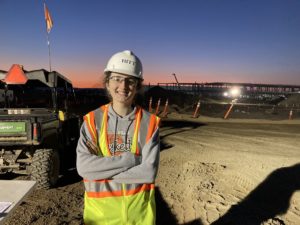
pixel 209 196
pixel 195 180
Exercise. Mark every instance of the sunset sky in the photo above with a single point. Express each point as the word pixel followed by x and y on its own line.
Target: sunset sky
pixel 254 41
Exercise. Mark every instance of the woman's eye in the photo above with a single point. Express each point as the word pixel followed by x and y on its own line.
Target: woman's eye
pixel 117 79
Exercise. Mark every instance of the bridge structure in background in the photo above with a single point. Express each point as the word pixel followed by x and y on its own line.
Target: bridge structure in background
pixel 220 87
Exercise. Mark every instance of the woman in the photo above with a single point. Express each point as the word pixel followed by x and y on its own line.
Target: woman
pixel 118 151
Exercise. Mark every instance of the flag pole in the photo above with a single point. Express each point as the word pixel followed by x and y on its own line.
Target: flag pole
pixel 49 24
pixel 49 52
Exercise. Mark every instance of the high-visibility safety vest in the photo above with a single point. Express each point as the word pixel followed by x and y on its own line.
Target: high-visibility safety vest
pixel 107 202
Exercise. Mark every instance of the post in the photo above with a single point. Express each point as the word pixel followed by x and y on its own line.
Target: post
pixel 150 105
pixel 196 110
pixel 49 52
pixel 291 114
pixel 165 112
pixel 157 107
pixel 228 111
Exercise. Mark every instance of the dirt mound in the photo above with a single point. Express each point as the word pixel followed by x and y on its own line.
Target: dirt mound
pixel 292 100
pixel 174 97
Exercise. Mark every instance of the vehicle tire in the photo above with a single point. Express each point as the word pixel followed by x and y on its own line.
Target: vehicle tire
pixel 45 168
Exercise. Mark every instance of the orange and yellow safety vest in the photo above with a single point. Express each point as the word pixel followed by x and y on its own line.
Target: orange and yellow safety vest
pixel 107 202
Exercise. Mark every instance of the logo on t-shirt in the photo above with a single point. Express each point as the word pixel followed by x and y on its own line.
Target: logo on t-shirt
pixel 119 141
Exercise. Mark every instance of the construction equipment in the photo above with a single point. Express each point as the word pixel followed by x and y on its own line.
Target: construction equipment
pixel 38 134
pixel 176 80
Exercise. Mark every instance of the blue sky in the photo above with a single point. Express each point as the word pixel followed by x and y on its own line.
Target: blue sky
pixel 254 41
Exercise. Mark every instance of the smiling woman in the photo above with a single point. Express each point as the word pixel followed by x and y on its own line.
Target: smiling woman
pixel 118 150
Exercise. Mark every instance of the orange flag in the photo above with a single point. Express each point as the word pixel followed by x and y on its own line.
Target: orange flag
pixel 49 21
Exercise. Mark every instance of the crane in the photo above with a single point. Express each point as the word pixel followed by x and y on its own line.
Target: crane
pixel 176 80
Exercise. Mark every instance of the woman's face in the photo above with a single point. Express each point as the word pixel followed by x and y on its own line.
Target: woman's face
pixel 122 88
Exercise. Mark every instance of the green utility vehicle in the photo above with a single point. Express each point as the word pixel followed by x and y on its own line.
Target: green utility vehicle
pixel 38 133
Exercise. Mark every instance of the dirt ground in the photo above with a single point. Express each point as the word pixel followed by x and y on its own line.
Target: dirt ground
pixel 212 171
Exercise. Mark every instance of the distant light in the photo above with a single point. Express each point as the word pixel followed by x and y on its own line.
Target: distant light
pixel 225 94
pixel 235 91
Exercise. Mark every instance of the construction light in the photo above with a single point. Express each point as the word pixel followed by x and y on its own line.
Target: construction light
pixel 235 92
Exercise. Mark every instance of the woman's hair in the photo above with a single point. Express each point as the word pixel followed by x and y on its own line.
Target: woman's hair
pixel 139 88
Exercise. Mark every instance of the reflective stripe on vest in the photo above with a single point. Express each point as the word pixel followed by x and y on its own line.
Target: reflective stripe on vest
pixel 107 188
pixel 103 133
pixel 90 121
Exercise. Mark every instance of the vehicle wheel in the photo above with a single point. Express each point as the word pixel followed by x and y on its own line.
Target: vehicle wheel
pixel 45 168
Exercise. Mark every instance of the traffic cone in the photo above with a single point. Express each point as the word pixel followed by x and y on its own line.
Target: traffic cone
pixel 165 112
pixel 157 107
pixel 196 110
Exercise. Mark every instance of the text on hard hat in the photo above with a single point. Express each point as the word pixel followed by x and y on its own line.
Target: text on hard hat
pixel 128 61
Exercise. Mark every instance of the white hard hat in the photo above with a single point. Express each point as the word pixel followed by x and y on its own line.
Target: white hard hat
pixel 125 62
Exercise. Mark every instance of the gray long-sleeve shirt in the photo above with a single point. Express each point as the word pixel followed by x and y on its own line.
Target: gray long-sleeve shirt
pixel 123 166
